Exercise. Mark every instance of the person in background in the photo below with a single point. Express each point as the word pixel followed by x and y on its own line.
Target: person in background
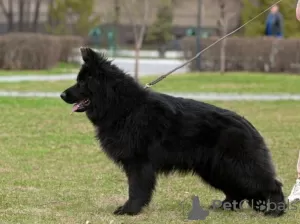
pixel 295 193
pixel 274 23
pixel 298 10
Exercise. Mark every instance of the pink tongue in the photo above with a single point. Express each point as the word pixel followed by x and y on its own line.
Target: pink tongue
pixel 75 107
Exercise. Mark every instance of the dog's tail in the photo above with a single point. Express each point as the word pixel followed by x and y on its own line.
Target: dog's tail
pixel 276 205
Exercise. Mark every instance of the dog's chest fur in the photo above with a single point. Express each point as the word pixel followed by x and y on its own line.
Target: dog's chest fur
pixel 118 143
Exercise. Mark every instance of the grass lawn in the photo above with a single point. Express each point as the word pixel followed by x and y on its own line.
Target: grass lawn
pixel 205 82
pixel 52 170
pixel 61 68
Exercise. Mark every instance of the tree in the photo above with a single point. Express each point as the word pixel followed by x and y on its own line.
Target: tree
pixel 21 15
pixel 257 27
pixel 116 19
pixel 72 17
pixel 160 31
pixel 24 8
pixel 50 18
pixel 36 15
pixel 223 22
pixel 27 14
pixel 8 13
pixel 138 11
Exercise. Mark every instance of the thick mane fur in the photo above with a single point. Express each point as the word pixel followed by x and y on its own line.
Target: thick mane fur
pixel 114 88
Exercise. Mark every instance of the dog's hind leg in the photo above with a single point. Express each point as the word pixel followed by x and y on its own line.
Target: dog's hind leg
pixel 141 181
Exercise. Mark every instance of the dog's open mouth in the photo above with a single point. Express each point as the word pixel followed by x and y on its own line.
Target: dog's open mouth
pixel 81 106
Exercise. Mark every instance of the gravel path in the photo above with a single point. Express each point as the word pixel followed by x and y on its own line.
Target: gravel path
pixel 146 67
pixel 37 78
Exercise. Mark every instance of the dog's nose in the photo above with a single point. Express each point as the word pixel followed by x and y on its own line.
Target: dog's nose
pixel 63 95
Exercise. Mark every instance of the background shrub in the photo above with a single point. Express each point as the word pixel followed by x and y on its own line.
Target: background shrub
pixel 29 51
pixel 22 51
pixel 68 43
pixel 260 54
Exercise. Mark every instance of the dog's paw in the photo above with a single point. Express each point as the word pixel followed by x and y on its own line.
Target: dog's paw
pixel 119 211
pixel 127 210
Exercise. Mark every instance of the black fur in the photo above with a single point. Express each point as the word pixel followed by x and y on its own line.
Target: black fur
pixel 148 133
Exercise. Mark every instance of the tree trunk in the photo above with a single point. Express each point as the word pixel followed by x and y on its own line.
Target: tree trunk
pixel 10 16
pixel 50 8
pixel 223 33
pixel 117 21
pixel 136 65
pixel 36 16
pixel 21 15
pixel 223 48
pixel 223 56
pixel 27 15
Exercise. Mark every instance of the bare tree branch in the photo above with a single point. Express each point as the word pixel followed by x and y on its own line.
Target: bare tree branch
pixel 131 19
pixel 231 15
pixel 223 23
pixel 144 24
pixel 138 15
pixel 2 6
pixel 8 12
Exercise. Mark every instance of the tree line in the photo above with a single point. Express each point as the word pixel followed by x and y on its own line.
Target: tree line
pixel 78 17
pixel 81 13
pixel 7 8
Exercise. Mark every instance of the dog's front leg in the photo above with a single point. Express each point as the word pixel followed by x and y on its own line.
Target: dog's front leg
pixel 141 181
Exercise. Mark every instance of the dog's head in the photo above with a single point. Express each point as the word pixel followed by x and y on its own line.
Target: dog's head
pixel 87 86
pixel 101 87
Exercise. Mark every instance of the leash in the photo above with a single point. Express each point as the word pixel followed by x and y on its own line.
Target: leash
pixel 150 84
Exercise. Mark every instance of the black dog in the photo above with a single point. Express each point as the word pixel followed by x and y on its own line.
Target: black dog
pixel 148 133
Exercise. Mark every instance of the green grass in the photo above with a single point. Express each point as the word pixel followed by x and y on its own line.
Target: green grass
pixel 232 82
pixel 61 68
pixel 206 82
pixel 52 170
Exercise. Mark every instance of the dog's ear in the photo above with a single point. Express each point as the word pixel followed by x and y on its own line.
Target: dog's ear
pixel 88 54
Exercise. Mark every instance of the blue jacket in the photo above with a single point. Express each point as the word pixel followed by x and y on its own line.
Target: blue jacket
pixel 274 25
